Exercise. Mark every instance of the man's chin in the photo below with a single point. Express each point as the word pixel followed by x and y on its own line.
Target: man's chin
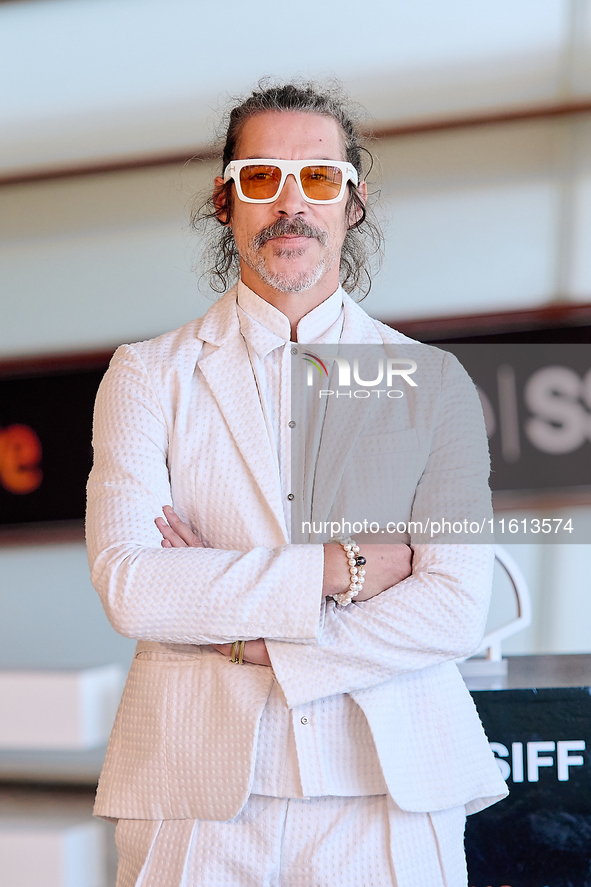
pixel 292 281
pixel 284 277
pixel 291 285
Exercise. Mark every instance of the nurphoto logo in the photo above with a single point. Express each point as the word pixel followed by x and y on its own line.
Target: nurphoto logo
pixel 390 370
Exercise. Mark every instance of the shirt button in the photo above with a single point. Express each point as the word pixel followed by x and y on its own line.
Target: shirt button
pixel 291 424
pixel 291 497
pixel 294 350
pixel 304 721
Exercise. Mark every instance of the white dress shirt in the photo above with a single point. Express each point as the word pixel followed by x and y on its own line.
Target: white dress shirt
pixel 291 752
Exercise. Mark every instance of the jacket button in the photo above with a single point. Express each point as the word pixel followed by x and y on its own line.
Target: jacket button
pixel 294 350
pixel 291 497
pixel 291 424
pixel 304 721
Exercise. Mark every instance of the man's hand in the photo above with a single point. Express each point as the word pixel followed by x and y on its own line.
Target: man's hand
pixel 177 534
pixel 386 565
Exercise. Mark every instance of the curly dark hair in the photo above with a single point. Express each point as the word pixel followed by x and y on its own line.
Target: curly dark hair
pixel 364 239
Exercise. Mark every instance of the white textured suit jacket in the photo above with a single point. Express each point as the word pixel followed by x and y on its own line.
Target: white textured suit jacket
pixel 178 421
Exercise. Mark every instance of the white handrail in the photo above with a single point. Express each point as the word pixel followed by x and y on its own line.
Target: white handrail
pixel 491 642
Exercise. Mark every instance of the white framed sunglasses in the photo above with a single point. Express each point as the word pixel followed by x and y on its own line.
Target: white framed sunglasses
pixel 261 180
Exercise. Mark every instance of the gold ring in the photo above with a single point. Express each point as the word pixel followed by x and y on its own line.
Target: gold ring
pixel 238 652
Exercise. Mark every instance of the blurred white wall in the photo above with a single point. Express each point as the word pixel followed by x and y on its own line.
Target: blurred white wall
pixel 489 218
pixel 111 77
pixel 478 219
pixel 486 219
pixel 50 615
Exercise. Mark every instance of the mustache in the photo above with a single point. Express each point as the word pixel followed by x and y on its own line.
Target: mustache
pixel 297 227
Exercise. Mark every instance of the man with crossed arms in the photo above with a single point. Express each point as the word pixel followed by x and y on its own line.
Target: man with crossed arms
pixel 270 731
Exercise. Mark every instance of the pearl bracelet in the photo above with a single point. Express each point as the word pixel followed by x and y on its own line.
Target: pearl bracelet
pixel 356 563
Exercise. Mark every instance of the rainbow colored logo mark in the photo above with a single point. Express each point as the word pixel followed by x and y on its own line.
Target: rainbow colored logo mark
pixel 315 361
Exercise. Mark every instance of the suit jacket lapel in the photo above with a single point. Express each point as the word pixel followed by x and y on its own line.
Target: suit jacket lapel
pixel 228 372
pixel 344 420
pixel 358 327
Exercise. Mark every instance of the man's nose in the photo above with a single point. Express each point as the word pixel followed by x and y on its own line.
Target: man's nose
pixel 290 201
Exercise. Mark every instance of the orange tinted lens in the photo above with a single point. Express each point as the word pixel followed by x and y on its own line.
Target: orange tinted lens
pixel 321 182
pixel 260 182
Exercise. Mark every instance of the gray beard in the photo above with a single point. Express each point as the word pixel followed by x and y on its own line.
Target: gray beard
pixel 286 281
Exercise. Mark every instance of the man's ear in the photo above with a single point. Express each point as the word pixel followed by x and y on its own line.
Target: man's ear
pixel 220 201
pixel 355 211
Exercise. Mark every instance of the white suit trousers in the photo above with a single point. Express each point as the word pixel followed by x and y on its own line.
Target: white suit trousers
pixel 280 842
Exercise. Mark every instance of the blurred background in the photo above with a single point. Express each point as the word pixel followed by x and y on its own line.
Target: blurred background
pixel 481 116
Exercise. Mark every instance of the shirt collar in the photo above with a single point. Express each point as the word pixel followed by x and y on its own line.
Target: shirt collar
pixel 265 327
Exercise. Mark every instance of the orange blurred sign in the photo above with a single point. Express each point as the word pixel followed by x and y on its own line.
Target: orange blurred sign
pixel 20 455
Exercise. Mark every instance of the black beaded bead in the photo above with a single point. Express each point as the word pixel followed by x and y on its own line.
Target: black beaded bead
pixel 360 560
